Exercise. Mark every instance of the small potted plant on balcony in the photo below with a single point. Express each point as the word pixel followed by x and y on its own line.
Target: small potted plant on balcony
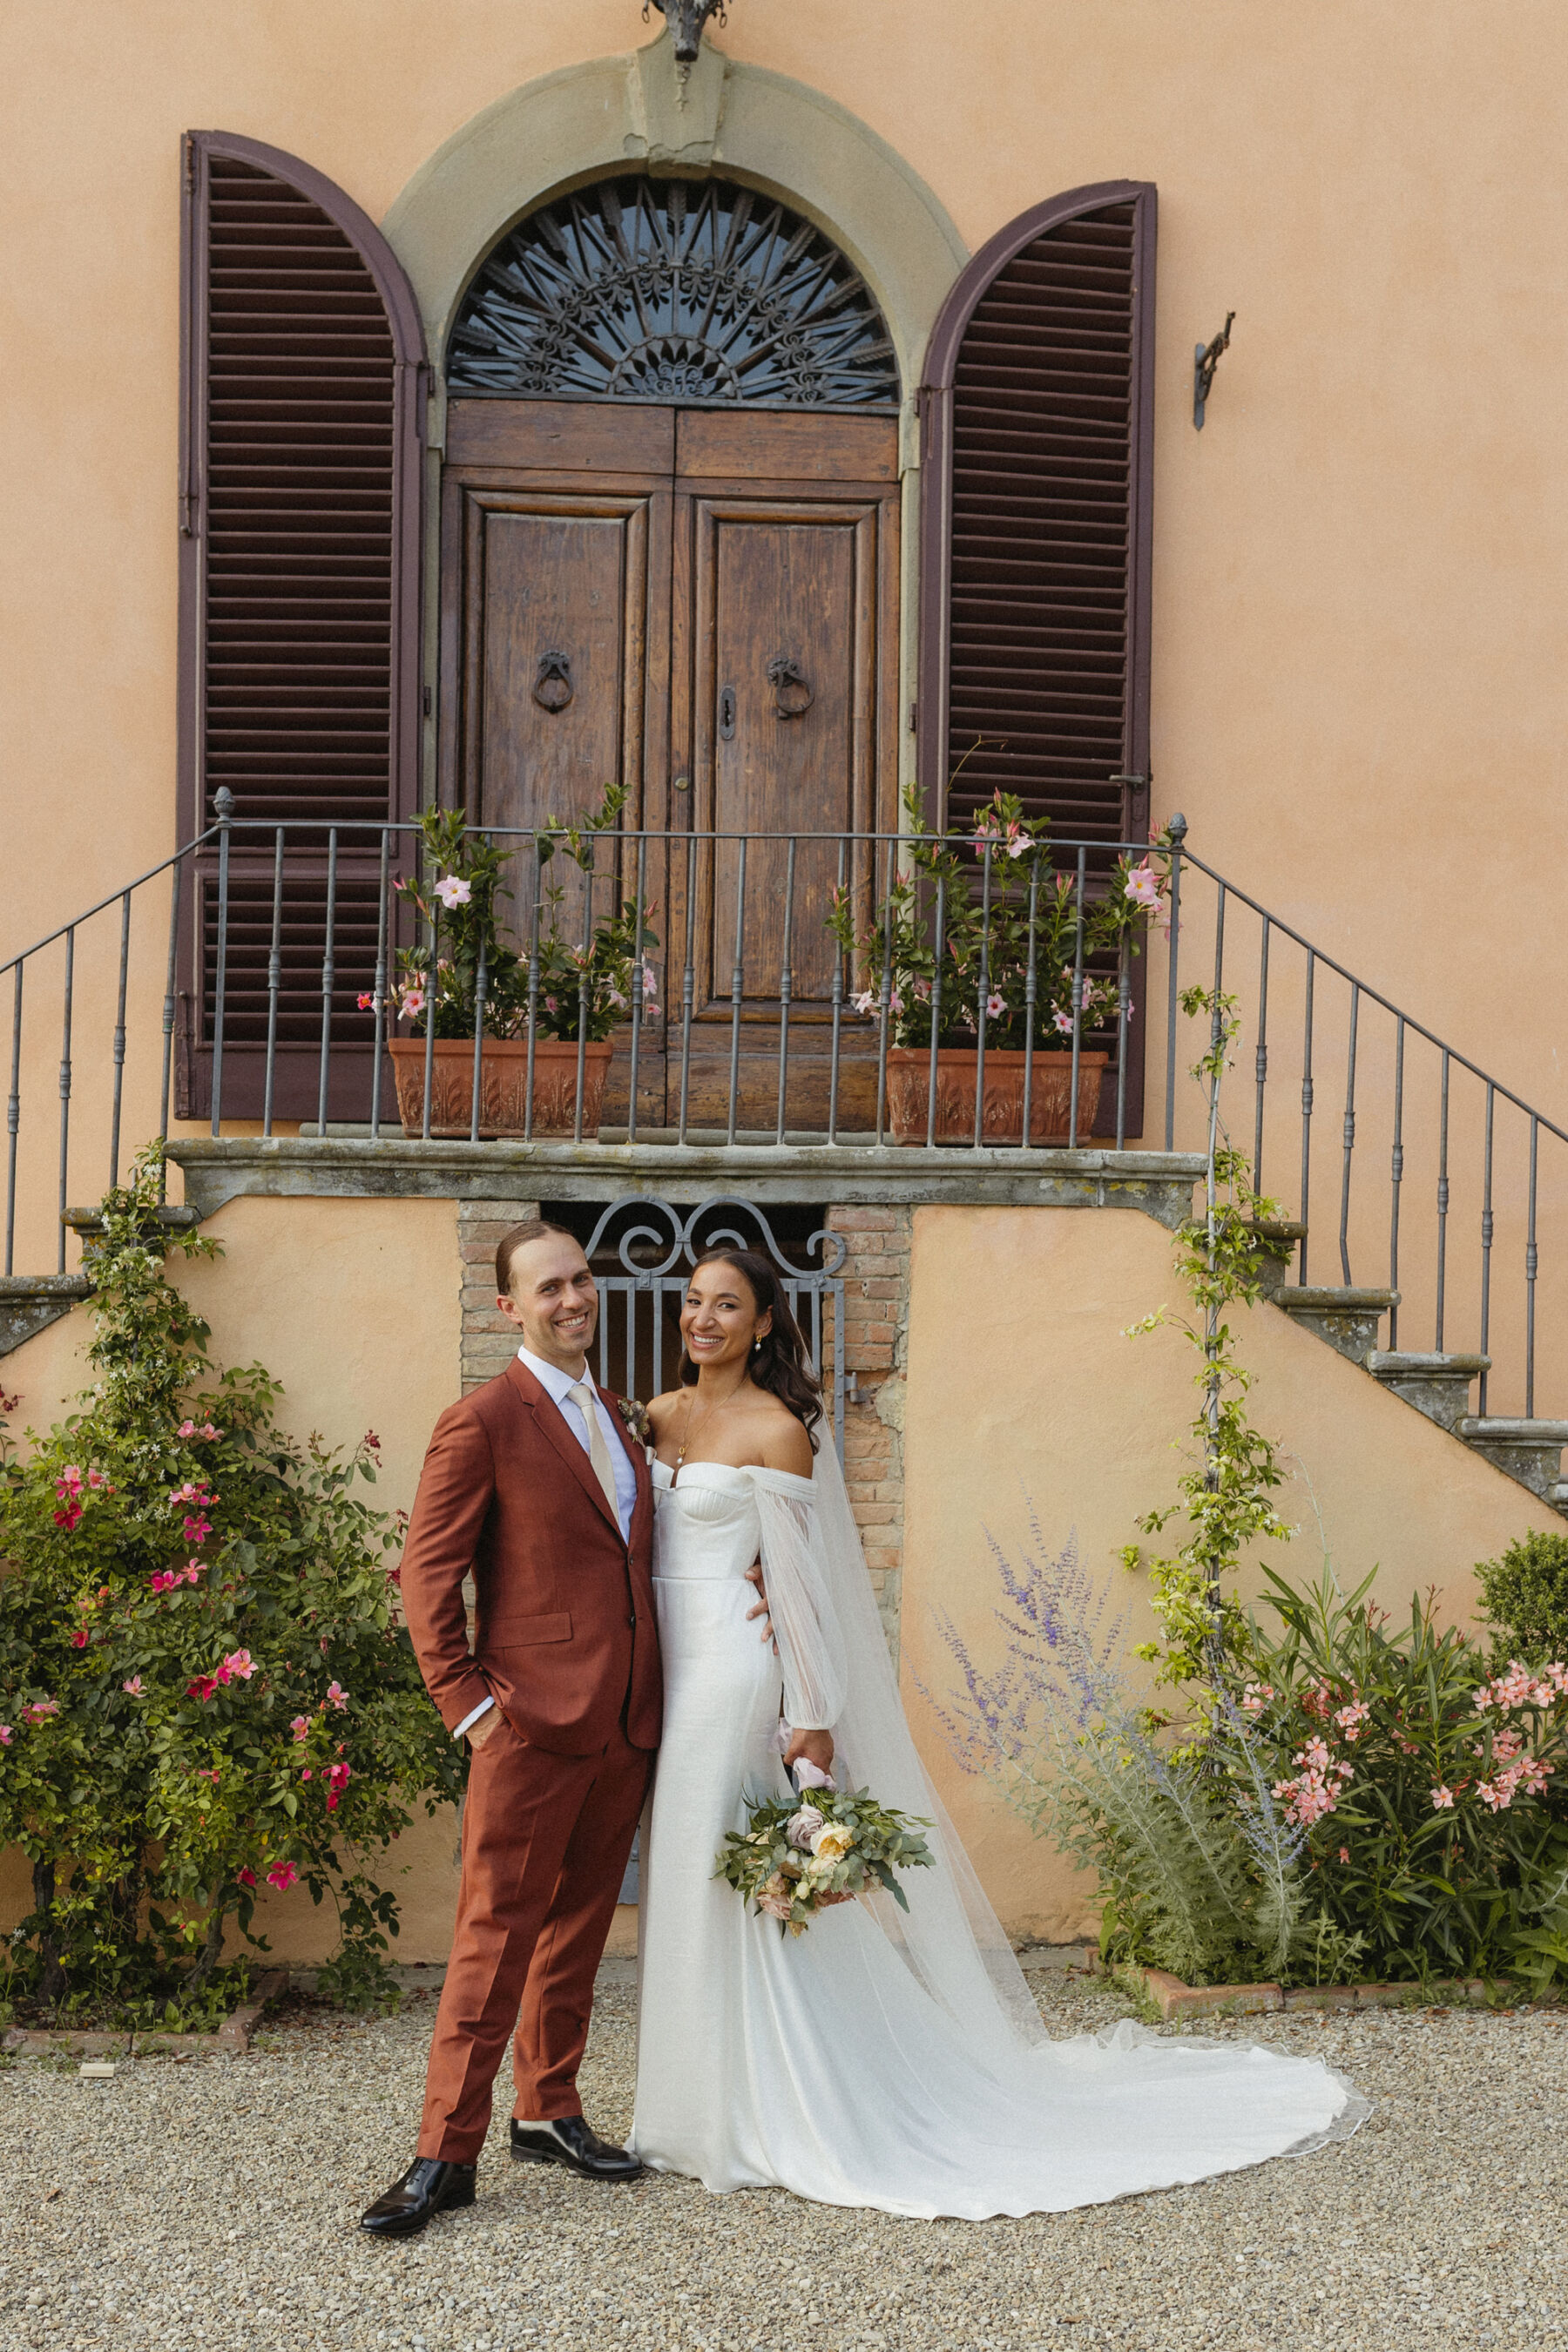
pixel 571 991
pixel 950 943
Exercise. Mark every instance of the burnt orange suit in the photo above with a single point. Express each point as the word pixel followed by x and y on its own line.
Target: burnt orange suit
pixel 566 1645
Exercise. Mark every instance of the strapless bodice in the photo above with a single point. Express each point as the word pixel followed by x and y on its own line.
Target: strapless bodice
pixel 705 1521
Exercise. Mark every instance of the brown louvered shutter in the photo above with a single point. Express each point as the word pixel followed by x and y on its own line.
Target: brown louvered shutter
pixel 1035 519
pixel 303 395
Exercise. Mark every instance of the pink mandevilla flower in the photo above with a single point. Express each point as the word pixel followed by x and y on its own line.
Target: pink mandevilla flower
pixel 338 1781
pixel 196 1531
pixel 994 1004
pixel 245 1877
pixel 282 1876
pixel 38 1710
pixel 413 1001
pixel 187 1428
pixel 133 1686
pixel 240 1664
pixel 453 891
pixel 78 1639
pixel 337 1696
pixel 5 1735
pixel 1062 1021
pixel 300 1727
pixel 1143 887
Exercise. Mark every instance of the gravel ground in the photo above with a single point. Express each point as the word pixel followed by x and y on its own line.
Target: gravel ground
pixel 213 2202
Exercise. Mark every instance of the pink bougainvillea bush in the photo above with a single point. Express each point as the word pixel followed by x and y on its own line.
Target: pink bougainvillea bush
pixel 1427 1779
pixel 205 1686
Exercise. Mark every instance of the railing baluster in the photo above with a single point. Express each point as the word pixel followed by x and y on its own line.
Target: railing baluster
pixel 380 984
pixel 636 1003
pixel 533 989
pixel 737 989
pixel 223 805
pixel 936 1006
pixel 1306 1113
pixel 1177 830
pixel 1349 1139
pixel 837 1011
pixel 1397 1178
pixel 171 1001
pixel 66 1088
pixel 1260 1062
pixel 886 990
pixel 481 989
pixel 14 1119
pixel 583 984
pixel 1487 1248
pixel 688 979
pixel 1531 1265
pixel 1123 1015
pixel 329 976
pixel 432 982
pixel 785 982
pixel 1077 1000
pixel 1031 1002
pixel 120 1042
pixel 274 981
pixel 1442 1206
pixel 982 994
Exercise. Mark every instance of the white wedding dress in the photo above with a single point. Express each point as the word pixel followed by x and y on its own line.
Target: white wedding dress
pixel 877 2059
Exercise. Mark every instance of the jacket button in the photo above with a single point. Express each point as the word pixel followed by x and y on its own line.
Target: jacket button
pixel 632 1622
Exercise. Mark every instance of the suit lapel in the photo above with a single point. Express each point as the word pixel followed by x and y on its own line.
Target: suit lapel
pixel 637 1456
pixel 550 1422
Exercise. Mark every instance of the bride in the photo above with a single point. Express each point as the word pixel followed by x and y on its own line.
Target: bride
pixel 879 2059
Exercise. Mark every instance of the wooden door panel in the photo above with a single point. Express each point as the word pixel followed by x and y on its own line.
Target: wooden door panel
pixel 561 436
pixel 765 445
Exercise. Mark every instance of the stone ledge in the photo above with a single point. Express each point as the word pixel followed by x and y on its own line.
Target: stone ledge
pixel 231 2039
pixel 30 1303
pixel 223 1169
pixel 1173 1998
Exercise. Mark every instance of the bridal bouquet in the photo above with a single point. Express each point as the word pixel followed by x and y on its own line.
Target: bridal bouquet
pixel 797 1856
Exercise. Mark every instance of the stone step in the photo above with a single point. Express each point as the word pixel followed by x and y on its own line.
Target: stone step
pixel 29 1303
pixel 1346 1318
pixel 1530 1451
pixel 1436 1385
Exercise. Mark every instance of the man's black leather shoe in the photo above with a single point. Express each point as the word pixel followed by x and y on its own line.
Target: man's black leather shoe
pixel 430 2186
pixel 572 2143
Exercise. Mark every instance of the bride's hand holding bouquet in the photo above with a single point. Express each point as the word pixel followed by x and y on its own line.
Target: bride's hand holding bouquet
pixel 797 1856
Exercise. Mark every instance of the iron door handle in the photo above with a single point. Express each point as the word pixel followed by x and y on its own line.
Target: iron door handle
pixel 792 695
pixel 552 686
pixel 726 714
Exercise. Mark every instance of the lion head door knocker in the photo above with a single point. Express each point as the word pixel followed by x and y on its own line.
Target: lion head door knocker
pixel 792 695
pixel 552 685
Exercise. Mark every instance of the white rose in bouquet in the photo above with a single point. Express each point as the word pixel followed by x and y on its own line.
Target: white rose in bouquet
pixel 802 1827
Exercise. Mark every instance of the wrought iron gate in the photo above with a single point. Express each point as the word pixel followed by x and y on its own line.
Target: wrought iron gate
pixel 638 1344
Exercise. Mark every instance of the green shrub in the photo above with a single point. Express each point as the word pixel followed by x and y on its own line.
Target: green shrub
pixel 204 1686
pixel 1524 1598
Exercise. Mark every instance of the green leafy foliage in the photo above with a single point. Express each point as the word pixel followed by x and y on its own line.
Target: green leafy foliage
pixel 1524 1597
pixel 582 983
pixel 204 1684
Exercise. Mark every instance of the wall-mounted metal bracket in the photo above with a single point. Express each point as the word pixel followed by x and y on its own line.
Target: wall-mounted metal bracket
pixel 1206 360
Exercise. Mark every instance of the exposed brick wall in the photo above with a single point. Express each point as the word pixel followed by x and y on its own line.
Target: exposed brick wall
pixel 876 1324
pixel 488 1340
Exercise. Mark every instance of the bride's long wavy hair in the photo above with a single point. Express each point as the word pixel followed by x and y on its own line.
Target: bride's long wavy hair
pixel 781 1364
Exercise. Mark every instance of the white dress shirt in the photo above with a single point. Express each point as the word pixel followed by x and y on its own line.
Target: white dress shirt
pixel 558 1386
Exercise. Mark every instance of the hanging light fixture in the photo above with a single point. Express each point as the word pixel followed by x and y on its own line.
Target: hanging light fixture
pixel 686 19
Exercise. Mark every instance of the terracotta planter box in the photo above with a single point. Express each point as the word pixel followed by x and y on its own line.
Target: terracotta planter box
pixel 1002 1115
pixel 503 1086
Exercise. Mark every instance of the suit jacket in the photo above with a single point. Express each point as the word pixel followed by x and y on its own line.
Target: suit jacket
pixel 566 1634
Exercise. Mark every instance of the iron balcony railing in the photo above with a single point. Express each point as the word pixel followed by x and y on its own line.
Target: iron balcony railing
pixel 250 984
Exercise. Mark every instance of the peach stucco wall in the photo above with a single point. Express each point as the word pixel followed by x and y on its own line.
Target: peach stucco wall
pixel 1022 1389
pixel 1360 561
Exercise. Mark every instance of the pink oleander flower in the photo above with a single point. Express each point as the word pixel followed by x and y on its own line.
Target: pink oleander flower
pixel 1351 1718
pixel 133 1686
pixel 1442 1800
pixel 300 1727
pixel 337 1696
pixel 245 1877
pixel 282 1876
pixel 1143 887
pixel 1314 1756
pixel 453 891
pixel 1344 1853
pixel 240 1664
pixel 40 1710
pixel 1255 1696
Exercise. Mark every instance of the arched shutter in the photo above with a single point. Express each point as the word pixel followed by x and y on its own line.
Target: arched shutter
pixel 1036 490
pixel 303 397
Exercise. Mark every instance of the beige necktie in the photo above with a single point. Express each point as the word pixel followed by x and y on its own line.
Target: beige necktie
pixel 584 1398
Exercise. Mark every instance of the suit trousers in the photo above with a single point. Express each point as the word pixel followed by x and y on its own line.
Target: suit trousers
pixel 545 1843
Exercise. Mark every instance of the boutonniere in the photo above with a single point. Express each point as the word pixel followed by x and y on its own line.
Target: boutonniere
pixel 635 1416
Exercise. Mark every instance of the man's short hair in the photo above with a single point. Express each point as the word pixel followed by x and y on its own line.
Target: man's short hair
pixel 533 1229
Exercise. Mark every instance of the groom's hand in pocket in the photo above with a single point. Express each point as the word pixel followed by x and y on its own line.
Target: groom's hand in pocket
pixel 754 1576
pixel 477 1733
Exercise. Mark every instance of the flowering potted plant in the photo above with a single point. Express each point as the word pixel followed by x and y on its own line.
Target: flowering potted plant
pixel 950 946
pixel 575 990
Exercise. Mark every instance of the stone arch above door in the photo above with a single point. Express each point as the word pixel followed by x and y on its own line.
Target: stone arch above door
pixel 755 126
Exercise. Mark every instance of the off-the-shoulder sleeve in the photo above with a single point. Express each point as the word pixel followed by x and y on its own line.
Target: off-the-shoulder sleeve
pixel 811 1642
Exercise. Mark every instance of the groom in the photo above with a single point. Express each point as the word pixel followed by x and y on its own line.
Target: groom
pixel 531 1484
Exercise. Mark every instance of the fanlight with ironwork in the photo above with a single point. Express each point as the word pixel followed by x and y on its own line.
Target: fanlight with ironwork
pixel 672 290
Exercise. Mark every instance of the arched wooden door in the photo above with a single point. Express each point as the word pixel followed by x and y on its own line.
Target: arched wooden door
pixel 693 596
